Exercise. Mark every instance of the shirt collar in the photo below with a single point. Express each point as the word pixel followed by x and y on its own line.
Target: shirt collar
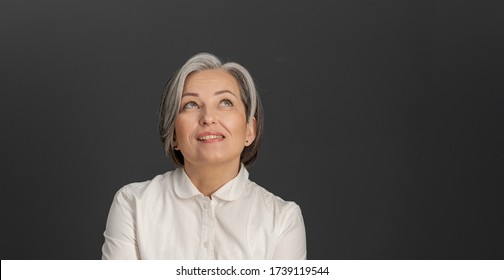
pixel 230 191
pixel 184 188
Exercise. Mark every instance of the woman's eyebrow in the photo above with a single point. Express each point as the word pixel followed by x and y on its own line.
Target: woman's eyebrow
pixel 216 93
pixel 223 91
pixel 190 94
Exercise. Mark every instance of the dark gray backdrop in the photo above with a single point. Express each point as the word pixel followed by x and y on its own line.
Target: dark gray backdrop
pixel 384 119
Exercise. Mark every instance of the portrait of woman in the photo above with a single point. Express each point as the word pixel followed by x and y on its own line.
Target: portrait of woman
pixel 210 124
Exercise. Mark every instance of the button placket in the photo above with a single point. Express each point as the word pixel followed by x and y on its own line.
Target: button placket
pixel 211 241
pixel 207 229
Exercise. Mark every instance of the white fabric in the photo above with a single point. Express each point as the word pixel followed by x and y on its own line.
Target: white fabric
pixel 168 218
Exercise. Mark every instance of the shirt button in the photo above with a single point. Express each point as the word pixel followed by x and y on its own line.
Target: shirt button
pixel 205 244
pixel 205 205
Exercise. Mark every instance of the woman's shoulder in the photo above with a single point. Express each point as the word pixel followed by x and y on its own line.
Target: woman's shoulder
pixel 149 187
pixel 282 215
pixel 269 200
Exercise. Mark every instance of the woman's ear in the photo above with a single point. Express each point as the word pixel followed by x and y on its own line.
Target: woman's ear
pixel 251 132
pixel 174 143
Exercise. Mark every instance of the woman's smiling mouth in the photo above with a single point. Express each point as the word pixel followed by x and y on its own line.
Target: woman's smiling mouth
pixel 210 137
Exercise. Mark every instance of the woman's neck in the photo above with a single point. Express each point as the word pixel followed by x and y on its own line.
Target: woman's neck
pixel 209 178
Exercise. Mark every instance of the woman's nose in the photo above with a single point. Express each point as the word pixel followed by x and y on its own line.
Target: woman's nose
pixel 208 117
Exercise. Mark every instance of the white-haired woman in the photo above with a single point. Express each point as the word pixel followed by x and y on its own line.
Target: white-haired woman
pixel 211 125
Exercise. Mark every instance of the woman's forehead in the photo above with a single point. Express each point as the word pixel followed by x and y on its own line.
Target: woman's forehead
pixel 210 79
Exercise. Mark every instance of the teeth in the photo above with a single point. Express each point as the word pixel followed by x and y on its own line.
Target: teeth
pixel 209 137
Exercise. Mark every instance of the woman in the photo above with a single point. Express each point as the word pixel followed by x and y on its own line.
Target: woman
pixel 210 125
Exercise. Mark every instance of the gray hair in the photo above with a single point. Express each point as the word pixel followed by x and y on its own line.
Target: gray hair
pixel 172 94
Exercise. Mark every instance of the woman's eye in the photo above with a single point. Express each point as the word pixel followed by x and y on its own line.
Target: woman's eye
pixel 190 105
pixel 226 103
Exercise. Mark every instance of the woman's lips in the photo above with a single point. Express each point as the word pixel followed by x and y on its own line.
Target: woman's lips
pixel 210 136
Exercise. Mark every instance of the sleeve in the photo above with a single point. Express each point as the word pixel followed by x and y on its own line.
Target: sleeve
pixel 292 245
pixel 120 231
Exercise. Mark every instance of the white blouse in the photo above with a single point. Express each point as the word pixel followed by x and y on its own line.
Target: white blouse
pixel 168 218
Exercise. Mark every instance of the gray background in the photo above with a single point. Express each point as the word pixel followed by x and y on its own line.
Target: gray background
pixel 384 119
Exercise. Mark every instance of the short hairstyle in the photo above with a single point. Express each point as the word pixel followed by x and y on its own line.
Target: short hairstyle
pixel 172 94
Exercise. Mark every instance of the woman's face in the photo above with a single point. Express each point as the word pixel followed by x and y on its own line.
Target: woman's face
pixel 211 127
